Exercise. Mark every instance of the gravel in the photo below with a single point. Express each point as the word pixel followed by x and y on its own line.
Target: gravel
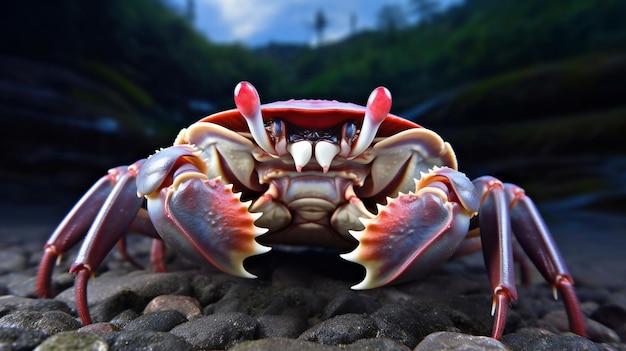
pixel 299 303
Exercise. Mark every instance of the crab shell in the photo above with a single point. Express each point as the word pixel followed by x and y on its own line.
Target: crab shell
pixel 378 188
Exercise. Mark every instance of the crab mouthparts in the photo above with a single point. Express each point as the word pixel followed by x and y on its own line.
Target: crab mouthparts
pixel 377 109
pixel 301 151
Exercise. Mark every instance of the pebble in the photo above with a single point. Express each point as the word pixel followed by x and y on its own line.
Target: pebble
pixel 116 291
pixel 596 331
pixel 460 342
pixel 217 331
pixel 534 339
pixel 287 310
pixel 146 340
pixel 279 326
pixel 20 339
pixel 278 344
pixel 159 321
pixel 49 322
pixel 73 341
pixel 349 301
pixel 101 328
pixel 13 261
pixel 9 303
pixel 406 325
pixel 188 306
pixel 344 329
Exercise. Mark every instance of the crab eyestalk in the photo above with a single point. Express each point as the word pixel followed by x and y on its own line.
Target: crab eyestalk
pixel 249 105
pixel 376 110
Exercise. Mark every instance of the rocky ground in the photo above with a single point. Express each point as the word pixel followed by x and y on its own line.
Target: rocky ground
pixel 304 302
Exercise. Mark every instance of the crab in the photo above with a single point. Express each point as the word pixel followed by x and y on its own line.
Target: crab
pixel 380 190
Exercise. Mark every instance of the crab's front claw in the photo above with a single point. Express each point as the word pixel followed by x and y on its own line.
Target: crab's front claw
pixel 416 231
pixel 202 218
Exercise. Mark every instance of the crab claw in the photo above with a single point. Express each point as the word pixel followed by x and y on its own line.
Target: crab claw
pixel 414 232
pixel 199 217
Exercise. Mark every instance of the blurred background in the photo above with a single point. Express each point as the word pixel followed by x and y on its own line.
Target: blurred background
pixel 531 91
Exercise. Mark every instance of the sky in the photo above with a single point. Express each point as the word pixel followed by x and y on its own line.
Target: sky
pixel 259 22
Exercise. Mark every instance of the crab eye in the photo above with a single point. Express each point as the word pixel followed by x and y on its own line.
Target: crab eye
pixel 349 131
pixel 277 128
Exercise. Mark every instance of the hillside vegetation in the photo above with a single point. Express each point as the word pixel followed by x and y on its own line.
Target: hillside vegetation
pixel 100 82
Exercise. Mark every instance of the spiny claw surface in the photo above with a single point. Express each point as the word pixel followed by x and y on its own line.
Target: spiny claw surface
pixel 409 236
pixel 205 220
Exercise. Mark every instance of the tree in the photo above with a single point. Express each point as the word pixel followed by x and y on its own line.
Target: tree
pixel 319 25
pixel 391 17
pixel 424 9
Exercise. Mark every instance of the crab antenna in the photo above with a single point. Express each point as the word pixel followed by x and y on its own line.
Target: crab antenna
pixel 376 110
pixel 249 105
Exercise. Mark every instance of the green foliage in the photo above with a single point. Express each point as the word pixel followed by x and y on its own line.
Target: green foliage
pixel 125 87
pixel 469 42
pixel 139 46
pixel 157 60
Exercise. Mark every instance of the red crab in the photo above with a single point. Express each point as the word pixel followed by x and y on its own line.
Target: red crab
pixel 378 188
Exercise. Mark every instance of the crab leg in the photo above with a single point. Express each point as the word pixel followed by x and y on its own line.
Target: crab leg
pixel 533 235
pixel 109 226
pixel 496 237
pixel 505 210
pixel 74 226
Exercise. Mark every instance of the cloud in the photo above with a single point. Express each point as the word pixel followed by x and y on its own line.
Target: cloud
pixel 244 18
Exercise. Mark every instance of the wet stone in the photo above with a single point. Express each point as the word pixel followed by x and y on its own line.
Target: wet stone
pixel 145 340
pixel 287 305
pixel 291 275
pixel 377 344
pixel 186 305
pixel 160 321
pixel 145 285
pixel 307 299
pixel 618 299
pixel 282 344
pixel 73 341
pixel 533 339
pixel 283 326
pixel 124 318
pixel 613 316
pixel 344 329
pixel 596 331
pixel 350 302
pixel 99 328
pixel 20 339
pixel 441 341
pixel 217 331
pixel 229 304
pixel 209 289
pixel 13 261
pixel 114 292
pixel 407 325
pixel 50 322
pixel 9 303
pixel 20 284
